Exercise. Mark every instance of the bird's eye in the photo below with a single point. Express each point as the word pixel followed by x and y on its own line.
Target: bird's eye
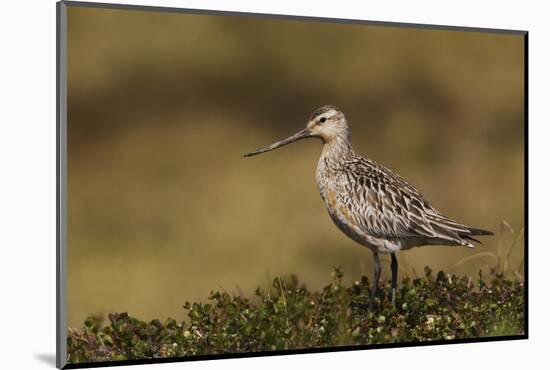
pixel 323 119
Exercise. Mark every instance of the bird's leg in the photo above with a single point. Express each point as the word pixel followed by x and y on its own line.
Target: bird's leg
pixel 393 277
pixel 377 270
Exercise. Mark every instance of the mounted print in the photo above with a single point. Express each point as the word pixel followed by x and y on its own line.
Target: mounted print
pixel 235 184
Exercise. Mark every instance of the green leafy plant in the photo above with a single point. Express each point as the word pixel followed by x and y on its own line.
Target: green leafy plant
pixel 289 316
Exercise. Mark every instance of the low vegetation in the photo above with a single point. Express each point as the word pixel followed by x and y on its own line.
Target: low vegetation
pixel 289 316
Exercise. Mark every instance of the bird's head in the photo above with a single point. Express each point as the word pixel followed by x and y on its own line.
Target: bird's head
pixel 327 123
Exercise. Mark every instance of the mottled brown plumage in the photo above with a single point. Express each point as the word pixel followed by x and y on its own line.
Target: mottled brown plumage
pixel 370 203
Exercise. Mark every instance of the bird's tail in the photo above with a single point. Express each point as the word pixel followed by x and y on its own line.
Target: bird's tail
pixel 474 231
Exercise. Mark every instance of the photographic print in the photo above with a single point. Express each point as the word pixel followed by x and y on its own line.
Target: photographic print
pixel 243 184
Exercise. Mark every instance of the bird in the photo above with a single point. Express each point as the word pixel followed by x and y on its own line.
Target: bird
pixel 371 204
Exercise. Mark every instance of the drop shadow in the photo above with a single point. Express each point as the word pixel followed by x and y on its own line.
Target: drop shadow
pixel 47 358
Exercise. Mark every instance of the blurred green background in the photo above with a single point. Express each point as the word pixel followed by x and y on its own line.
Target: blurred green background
pixel 163 208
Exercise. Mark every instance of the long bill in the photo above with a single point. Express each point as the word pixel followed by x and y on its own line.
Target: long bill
pixel 297 136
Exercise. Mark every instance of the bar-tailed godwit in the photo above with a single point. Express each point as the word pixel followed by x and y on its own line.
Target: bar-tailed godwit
pixel 368 202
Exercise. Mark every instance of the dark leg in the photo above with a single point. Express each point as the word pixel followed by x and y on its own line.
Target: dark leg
pixel 377 270
pixel 393 277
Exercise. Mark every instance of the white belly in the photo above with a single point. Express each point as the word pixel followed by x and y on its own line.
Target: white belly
pixel 377 245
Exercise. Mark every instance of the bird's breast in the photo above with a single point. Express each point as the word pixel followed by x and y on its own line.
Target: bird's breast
pixel 325 174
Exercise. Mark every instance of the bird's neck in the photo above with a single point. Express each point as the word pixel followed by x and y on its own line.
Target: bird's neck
pixel 337 149
pixel 335 153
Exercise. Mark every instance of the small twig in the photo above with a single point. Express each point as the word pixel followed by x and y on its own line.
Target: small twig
pixel 509 251
pixel 284 298
pixel 472 257
pixel 233 300
pixel 226 292
pixel 282 293
pixel 518 275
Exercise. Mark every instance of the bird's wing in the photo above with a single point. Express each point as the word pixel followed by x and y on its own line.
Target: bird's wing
pixel 384 205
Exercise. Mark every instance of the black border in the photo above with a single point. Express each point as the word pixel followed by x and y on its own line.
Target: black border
pixel 226 356
pixel 526 177
pixel 60 154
